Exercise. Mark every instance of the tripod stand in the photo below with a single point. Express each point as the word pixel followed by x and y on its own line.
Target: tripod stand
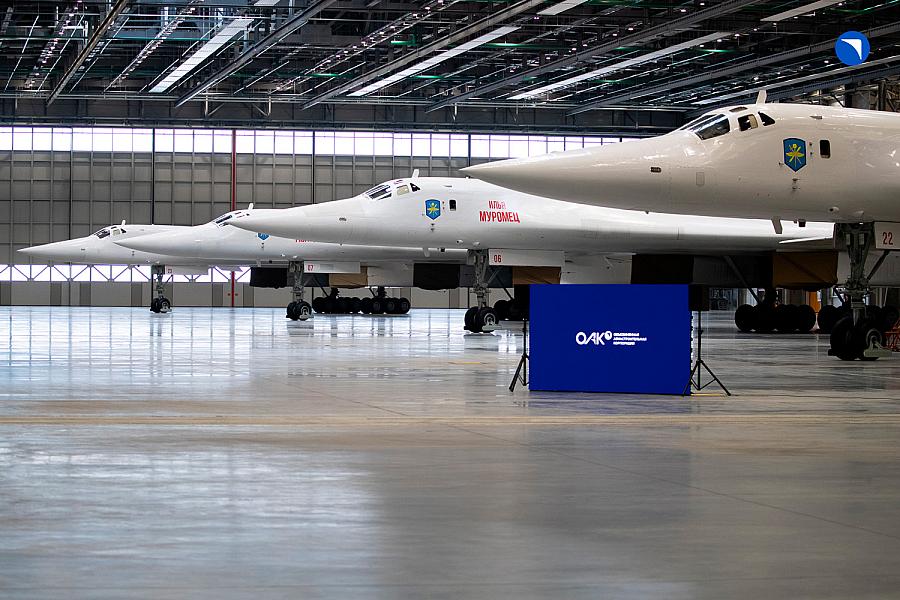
pixel 522 369
pixel 701 364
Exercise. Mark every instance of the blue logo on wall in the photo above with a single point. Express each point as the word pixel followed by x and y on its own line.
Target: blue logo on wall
pixel 795 153
pixel 263 236
pixel 852 48
pixel 432 209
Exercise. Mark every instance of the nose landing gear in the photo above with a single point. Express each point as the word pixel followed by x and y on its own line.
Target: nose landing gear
pixel 299 309
pixel 159 304
pixel 857 335
pixel 480 318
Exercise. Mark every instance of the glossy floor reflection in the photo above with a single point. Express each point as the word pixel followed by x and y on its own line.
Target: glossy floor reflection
pixel 226 454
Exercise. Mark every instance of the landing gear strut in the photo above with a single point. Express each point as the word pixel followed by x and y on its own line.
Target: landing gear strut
pixel 299 309
pixel 159 304
pixel 480 318
pixel 857 335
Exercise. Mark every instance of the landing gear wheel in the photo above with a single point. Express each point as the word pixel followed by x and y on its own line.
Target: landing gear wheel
pixel 163 305
pixel 303 311
pixel 154 305
pixel 390 306
pixel 828 317
pixel 745 318
pixel 289 313
pixel 501 307
pixel 486 319
pixel 806 318
pixel 403 306
pixel 342 305
pixel 866 334
pixel 765 318
pixel 842 340
pixel 365 306
pixel 514 311
pixel 354 305
pixel 318 305
pixel 470 320
pixel 377 306
pixel 786 318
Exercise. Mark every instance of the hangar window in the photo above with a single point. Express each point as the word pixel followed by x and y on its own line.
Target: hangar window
pixel 379 192
pixel 748 122
pixel 718 127
pixel 825 148
pixel 766 119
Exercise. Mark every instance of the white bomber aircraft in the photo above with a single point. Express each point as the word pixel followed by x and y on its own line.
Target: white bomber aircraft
pixel 766 161
pixel 490 222
pixel 215 242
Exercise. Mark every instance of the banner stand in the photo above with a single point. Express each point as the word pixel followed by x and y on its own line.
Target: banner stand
pixel 701 364
pixel 522 370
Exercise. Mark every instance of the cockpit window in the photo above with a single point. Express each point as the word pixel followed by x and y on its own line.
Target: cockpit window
pixel 102 233
pixel 766 119
pixel 698 122
pixel 748 122
pixel 223 218
pixel 718 127
pixel 402 189
pixel 379 192
pixel 414 187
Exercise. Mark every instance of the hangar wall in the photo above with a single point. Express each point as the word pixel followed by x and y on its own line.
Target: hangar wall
pixel 66 182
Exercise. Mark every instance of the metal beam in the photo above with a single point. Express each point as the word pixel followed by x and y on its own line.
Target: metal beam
pixel 92 42
pixel 665 29
pixel 638 90
pixel 276 35
pixel 460 34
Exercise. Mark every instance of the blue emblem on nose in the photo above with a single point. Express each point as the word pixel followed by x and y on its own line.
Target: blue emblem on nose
pixel 432 209
pixel 852 48
pixel 262 236
pixel 795 153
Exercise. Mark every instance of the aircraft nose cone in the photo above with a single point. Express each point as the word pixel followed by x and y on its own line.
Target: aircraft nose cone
pixel 538 175
pixel 271 221
pixel 63 251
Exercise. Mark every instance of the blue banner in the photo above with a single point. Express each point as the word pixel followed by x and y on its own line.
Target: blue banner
pixel 610 338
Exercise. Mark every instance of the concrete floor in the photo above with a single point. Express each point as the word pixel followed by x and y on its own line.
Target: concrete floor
pixel 233 454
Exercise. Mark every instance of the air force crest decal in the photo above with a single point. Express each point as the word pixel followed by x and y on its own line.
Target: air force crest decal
pixel 795 153
pixel 263 236
pixel 432 209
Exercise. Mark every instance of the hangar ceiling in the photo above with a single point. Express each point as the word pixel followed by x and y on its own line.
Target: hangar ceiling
pixel 587 65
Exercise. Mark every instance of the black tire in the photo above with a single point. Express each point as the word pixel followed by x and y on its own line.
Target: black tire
pixel 486 317
pixel 745 318
pixel 164 305
pixel 154 305
pixel 765 318
pixel 377 306
pixel 514 311
pixel 318 305
pixel 828 316
pixel 403 306
pixel 342 305
pixel 328 305
pixel 866 333
pixel 785 318
pixel 365 306
pixel 289 312
pixel 806 318
pixel 842 339
pixel 303 310
pixel 890 314
pixel 355 305
pixel 469 320
pixel 501 307
pixel 390 306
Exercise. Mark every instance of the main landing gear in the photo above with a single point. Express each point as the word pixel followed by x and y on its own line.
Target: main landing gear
pixel 159 304
pixel 859 334
pixel 481 318
pixel 299 309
